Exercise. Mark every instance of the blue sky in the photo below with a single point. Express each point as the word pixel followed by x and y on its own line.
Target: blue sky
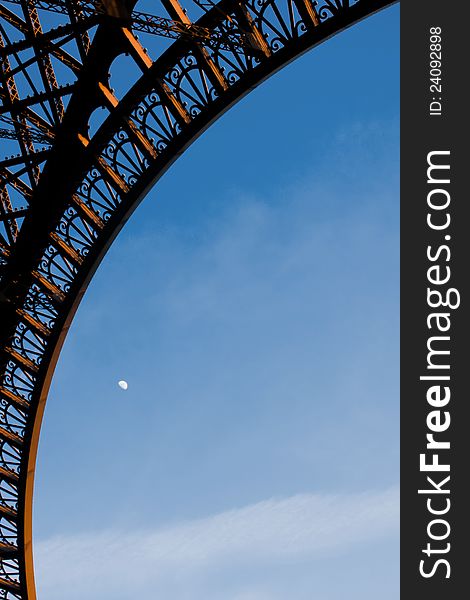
pixel 254 313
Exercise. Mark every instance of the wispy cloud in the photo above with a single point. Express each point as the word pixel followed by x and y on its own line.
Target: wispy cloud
pixel 125 564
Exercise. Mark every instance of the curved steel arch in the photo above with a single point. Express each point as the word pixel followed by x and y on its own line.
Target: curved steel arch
pixel 80 188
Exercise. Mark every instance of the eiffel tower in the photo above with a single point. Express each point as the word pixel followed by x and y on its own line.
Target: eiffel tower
pixel 77 157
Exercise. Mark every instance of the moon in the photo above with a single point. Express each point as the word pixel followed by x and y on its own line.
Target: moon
pixel 123 384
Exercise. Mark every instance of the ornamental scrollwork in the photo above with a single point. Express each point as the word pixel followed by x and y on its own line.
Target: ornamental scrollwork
pixel 125 157
pixel 98 194
pixel 191 85
pixel 156 121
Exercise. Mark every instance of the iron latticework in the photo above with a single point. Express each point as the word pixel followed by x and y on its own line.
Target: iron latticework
pixel 78 157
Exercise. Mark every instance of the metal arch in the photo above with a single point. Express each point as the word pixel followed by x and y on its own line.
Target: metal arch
pixel 81 189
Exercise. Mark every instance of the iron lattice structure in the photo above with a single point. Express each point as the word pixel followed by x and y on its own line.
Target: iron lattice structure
pixel 80 157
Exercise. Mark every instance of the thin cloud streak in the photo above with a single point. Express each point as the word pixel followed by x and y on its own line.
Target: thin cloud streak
pixel 268 533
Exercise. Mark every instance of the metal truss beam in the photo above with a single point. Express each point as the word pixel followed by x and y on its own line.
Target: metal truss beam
pixel 144 22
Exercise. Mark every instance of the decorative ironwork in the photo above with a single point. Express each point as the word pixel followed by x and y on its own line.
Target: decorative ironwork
pixel 66 188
